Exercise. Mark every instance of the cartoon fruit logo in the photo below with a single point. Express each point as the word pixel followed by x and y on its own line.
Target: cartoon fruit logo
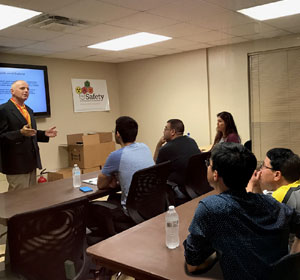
pixel 78 90
pixel 82 91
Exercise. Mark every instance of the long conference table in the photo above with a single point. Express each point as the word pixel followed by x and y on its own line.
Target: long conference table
pixel 141 252
pixel 45 195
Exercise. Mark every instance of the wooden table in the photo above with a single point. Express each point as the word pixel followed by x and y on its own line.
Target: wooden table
pixel 141 251
pixel 45 195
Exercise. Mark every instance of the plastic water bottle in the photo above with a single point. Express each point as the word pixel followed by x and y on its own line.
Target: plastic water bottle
pixel 172 228
pixel 76 176
pixel 188 134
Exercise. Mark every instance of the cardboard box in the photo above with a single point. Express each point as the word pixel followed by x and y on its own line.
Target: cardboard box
pixel 87 150
pixel 59 174
pixel 105 137
pixel 67 173
pixel 88 170
pixel 104 150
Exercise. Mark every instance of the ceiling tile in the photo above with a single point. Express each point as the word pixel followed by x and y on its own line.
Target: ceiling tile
pixel 22 32
pixel 269 34
pixel 28 51
pixel 175 44
pixel 143 22
pixel 187 10
pixel 104 32
pixel 72 41
pixel 207 37
pixel 92 10
pixel 222 20
pixel 239 4
pixel 139 5
pixel 194 24
pixel 249 28
pixel 38 5
pixel 194 46
pixel 13 42
pixel 50 47
pixel 295 29
pixel 180 29
pixel 285 22
pixel 229 41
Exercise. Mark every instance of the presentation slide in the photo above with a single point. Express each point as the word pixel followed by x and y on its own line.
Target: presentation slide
pixel 34 78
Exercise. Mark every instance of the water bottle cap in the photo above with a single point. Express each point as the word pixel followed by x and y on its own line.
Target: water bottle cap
pixel 171 207
pixel 75 165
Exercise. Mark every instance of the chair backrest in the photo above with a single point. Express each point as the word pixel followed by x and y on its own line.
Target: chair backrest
pixel 248 145
pixel 41 241
pixel 196 182
pixel 287 268
pixel 149 194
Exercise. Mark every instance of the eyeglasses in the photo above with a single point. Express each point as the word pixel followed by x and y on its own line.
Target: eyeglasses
pixel 266 167
pixel 207 162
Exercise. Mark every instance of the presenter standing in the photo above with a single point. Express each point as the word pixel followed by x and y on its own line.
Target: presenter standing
pixel 19 151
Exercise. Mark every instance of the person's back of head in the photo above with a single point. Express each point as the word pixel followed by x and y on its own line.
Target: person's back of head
pixel 127 128
pixel 285 161
pixel 177 125
pixel 234 163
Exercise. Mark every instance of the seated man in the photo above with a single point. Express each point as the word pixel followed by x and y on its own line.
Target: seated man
pixel 248 231
pixel 178 149
pixel 119 167
pixel 279 175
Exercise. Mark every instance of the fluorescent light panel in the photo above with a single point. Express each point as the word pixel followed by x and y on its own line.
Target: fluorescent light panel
pixel 12 15
pixel 130 41
pixel 273 10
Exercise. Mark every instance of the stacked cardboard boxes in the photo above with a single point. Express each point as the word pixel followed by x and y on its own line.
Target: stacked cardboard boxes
pixel 88 151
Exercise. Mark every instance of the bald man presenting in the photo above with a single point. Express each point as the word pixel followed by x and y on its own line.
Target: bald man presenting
pixel 19 150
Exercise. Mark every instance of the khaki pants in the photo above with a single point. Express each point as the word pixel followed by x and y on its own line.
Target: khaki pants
pixel 21 181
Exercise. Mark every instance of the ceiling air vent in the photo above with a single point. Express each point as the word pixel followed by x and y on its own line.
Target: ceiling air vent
pixel 55 23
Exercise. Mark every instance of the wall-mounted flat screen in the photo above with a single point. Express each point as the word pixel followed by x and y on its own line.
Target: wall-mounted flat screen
pixel 37 79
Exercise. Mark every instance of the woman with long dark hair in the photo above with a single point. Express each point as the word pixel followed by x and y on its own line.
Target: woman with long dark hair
pixel 226 129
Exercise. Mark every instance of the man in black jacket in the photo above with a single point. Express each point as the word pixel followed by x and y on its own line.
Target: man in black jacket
pixel 177 148
pixel 18 139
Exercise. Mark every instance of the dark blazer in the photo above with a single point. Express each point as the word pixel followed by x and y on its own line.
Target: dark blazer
pixel 18 154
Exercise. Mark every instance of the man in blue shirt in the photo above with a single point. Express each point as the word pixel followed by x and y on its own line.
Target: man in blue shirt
pixel 247 231
pixel 119 168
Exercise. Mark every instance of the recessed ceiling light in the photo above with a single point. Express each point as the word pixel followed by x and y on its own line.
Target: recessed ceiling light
pixel 273 10
pixel 130 41
pixel 12 15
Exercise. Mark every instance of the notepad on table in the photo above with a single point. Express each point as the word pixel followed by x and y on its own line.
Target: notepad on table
pixel 92 181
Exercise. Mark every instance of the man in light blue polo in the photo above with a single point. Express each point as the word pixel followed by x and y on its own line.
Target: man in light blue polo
pixel 123 163
pixel 119 168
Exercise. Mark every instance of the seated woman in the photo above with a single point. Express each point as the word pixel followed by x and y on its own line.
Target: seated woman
pixel 226 129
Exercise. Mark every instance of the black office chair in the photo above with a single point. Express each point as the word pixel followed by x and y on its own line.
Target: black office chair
pixel 196 182
pixel 248 145
pixel 287 268
pixel 41 241
pixel 149 195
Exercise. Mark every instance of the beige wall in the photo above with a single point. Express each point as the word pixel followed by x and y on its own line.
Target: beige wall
pixel 174 86
pixel 153 91
pixel 228 78
pixel 60 73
